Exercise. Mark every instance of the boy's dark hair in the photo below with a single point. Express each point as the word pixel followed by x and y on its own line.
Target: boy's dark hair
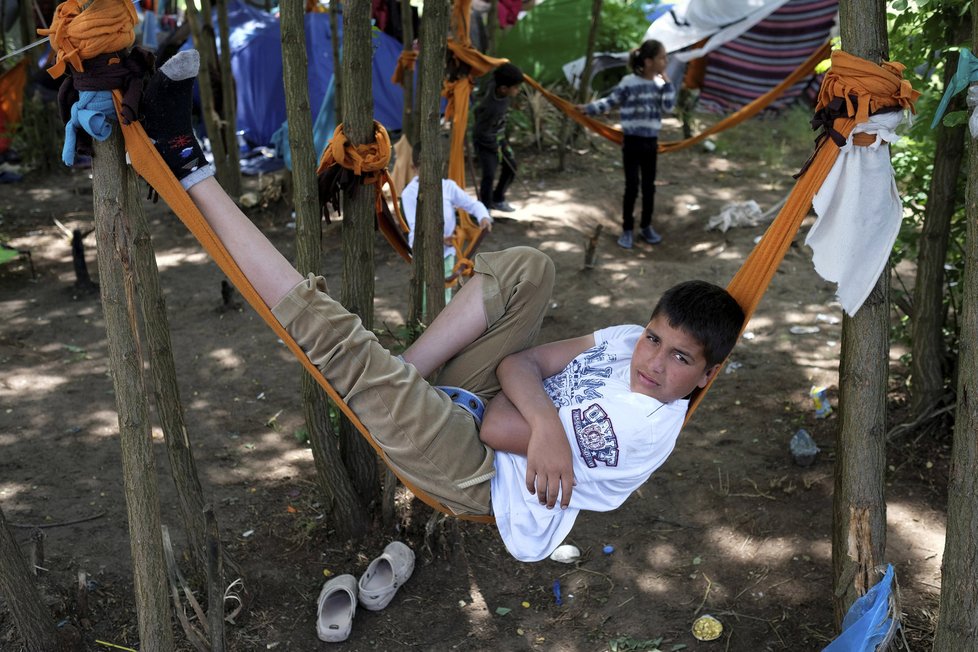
pixel 705 311
pixel 648 50
pixel 507 75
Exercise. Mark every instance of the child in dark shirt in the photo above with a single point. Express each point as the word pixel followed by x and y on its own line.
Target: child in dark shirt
pixel 489 136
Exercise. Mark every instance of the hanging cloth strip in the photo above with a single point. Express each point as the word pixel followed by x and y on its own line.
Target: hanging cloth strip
pixel 345 167
pixel 405 61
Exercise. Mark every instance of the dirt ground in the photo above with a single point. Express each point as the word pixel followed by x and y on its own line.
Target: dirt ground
pixel 729 526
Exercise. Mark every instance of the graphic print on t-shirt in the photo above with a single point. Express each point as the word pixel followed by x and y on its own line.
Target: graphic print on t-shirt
pixel 580 380
pixel 595 436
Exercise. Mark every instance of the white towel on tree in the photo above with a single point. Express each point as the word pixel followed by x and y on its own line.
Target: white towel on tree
pixel 859 213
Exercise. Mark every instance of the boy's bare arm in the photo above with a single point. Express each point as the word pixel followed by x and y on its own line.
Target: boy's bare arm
pixel 503 427
pixel 550 467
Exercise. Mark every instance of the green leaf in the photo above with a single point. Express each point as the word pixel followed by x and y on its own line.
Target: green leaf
pixel 955 118
pixel 502 611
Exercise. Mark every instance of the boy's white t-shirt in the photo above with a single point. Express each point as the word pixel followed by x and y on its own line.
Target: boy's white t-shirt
pixel 617 439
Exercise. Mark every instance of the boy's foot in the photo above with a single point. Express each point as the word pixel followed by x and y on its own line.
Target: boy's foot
pixel 649 235
pixel 166 108
pixel 502 206
pixel 625 240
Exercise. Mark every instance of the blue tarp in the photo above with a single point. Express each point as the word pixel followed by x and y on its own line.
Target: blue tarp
pixel 868 622
pixel 256 63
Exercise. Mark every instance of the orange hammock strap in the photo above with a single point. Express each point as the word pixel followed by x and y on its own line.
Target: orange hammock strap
pixel 368 163
pixel 876 86
pixel 84 29
pixel 752 108
pixel 147 162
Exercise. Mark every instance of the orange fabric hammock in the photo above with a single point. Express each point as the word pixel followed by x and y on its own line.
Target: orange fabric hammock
pixel 873 87
pixel 148 164
pixel 484 63
pixel 757 105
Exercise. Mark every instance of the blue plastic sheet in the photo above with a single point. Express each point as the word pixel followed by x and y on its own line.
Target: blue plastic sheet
pixel 867 622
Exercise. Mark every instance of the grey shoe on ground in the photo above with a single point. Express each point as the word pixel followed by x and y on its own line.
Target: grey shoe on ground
pixel 649 235
pixel 625 240
pixel 385 575
pixel 336 606
pixel 502 206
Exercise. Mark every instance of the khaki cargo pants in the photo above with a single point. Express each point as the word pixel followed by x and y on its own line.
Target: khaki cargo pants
pixel 426 438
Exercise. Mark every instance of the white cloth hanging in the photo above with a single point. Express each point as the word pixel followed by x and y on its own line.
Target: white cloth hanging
pixel 859 213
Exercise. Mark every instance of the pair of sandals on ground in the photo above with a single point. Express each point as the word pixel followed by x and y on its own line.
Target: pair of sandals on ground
pixel 337 603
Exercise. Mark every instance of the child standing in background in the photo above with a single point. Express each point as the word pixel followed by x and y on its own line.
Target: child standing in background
pixel 643 97
pixel 489 136
pixel 452 197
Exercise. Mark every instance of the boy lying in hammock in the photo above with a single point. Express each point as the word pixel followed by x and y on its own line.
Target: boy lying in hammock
pixel 579 423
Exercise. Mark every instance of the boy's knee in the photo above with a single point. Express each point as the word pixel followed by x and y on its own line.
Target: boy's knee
pixel 537 267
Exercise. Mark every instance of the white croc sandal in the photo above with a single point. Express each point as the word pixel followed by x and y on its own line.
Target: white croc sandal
pixel 385 575
pixel 335 608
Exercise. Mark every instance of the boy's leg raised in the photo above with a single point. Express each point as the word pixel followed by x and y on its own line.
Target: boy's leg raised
pixel 515 286
pixel 429 440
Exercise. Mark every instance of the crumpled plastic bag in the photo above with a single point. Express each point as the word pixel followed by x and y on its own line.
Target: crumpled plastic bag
pixel 973 105
pixel 746 213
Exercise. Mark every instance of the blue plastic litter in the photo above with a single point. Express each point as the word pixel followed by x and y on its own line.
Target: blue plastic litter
pixel 557 592
pixel 867 623
pixel 608 550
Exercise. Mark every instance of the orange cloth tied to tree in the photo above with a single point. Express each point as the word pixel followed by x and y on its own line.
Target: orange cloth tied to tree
pixel 369 163
pixel 83 30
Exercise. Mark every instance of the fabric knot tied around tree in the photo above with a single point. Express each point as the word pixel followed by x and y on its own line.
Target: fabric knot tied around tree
pixel 84 29
pixel 344 167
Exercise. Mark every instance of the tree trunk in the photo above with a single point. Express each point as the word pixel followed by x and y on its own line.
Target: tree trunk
pixel 229 104
pixel 928 368
pixel 492 28
pixel 32 619
pixel 115 198
pixel 408 122
pixel 346 512
pixel 428 286
pixel 957 624
pixel 358 222
pixel 584 87
pixel 167 393
pixel 28 31
pixel 334 41
pixel 859 510
pixel 203 35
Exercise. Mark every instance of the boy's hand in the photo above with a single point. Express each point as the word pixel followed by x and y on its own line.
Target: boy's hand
pixel 549 467
pixel 485 224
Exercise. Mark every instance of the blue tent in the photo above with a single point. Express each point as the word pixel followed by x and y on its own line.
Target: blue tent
pixel 256 63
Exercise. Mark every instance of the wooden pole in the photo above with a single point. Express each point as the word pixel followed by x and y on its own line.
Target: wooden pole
pixel 115 199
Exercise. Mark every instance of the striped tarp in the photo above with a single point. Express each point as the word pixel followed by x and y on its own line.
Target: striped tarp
pixel 752 64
